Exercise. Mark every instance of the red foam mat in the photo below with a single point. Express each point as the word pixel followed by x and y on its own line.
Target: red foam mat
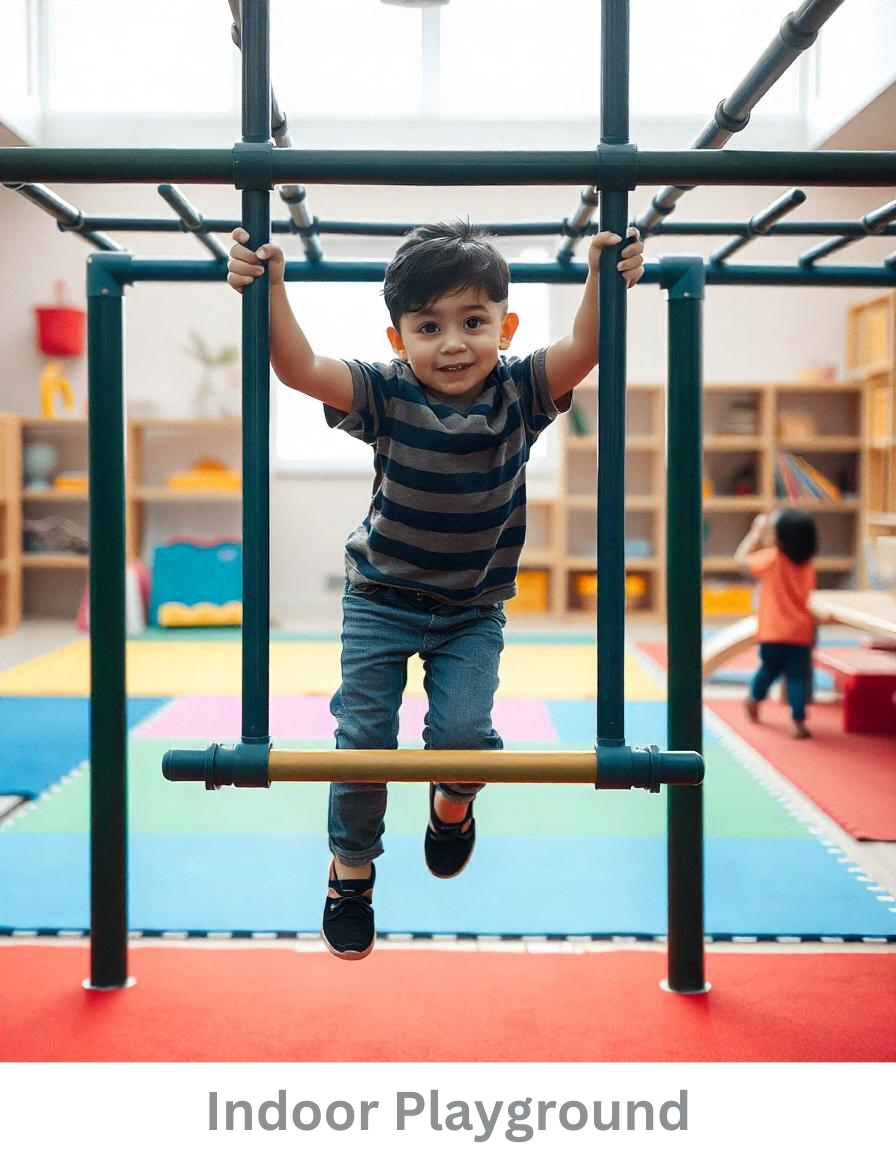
pixel 851 777
pixel 257 1003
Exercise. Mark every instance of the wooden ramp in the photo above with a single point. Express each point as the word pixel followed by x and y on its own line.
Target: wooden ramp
pixel 873 612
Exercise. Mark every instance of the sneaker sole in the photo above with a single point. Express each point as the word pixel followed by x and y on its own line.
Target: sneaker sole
pixel 346 955
pixel 444 875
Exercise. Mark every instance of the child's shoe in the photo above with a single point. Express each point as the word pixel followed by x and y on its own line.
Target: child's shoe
pixel 348 930
pixel 446 847
pixel 752 709
pixel 800 731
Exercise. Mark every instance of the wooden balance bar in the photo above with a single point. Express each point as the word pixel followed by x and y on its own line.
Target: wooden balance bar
pixel 257 765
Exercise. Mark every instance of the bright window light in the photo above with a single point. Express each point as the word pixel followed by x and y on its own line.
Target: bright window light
pixel 349 321
pixel 354 58
pixel 685 58
pixel 163 57
pixel 520 59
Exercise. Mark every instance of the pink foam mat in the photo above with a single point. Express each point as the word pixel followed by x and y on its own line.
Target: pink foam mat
pixel 218 718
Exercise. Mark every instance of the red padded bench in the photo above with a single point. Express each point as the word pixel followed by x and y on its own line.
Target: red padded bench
pixel 867 679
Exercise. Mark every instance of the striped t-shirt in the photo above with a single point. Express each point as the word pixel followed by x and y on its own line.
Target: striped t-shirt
pixel 447 514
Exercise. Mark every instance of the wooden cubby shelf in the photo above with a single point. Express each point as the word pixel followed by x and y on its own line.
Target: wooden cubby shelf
pixel 176 444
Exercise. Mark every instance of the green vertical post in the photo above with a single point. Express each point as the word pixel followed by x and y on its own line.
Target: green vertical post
pixel 683 277
pixel 108 699
pixel 611 391
pixel 256 209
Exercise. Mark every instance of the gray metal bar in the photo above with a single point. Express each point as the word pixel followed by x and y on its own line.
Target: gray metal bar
pixel 759 224
pixel 192 219
pixel 578 226
pixel 872 224
pixel 293 195
pixel 66 215
pixel 797 32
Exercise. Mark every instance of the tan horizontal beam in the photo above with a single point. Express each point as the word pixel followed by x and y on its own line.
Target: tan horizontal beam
pixel 446 766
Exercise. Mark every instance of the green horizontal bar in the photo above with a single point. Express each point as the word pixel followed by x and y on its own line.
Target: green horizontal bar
pixel 299 271
pixel 542 228
pixel 440 168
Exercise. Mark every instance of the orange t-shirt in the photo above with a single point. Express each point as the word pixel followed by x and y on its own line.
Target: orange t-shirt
pixel 784 587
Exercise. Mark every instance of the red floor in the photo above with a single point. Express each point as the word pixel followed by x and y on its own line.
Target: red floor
pixel 274 1004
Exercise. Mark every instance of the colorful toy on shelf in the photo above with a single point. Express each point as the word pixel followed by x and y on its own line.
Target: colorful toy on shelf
pixel 39 463
pixel 208 474
pixel 197 583
pixel 136 600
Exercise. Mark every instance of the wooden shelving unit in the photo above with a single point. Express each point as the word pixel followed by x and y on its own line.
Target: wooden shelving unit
pixel 10 523
pixel 152 447
pixel 871 363
pixel 745 426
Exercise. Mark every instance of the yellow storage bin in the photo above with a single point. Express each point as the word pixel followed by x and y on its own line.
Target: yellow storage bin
pixel 727 599
pixel 585 591
pixel 533 590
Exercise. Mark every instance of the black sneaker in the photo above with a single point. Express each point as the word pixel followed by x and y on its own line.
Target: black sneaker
pixel 446 848
pixel 347 928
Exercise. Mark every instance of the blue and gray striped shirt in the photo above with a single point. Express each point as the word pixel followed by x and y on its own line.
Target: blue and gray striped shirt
pixel 447 514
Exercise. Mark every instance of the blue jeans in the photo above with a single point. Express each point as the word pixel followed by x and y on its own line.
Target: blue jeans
pixel 794 662
pixel 460 649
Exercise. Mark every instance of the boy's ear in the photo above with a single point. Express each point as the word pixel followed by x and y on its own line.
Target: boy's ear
pixel 397 343
pixel 509 325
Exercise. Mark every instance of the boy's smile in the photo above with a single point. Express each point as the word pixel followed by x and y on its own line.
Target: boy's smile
pixel 452 343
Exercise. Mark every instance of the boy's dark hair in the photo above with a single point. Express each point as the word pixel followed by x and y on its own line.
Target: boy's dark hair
pixel 796 535
pixel 440 260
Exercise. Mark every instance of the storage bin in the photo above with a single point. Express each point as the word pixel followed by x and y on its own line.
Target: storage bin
pixel 727 599
pixel 533 589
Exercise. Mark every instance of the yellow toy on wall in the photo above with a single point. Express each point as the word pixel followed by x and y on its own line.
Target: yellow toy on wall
pixel 60 332
pixel 51 382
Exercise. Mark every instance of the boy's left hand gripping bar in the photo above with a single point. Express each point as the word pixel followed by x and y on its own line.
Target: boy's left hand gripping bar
pixel 245 765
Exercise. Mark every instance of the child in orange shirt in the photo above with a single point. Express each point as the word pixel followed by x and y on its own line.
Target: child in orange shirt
pixel 779 550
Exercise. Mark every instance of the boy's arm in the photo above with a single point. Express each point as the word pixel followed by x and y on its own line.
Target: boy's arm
pixel 293 359
pixel 569 360
pixel 752 542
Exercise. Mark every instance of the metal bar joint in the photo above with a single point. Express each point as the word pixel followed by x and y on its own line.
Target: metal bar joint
pixel 617 167
pixel 244 765
pixel 252 166
pixel 108 272
pixel 683 277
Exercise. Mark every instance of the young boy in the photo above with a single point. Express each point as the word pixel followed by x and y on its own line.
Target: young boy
pixel 778 550
pixel 451 422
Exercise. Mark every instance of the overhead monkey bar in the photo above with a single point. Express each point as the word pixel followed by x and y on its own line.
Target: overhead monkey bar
pixel 293 195
pixel 798 31
pixel 604 168
pixel 872 224
pixel 82 222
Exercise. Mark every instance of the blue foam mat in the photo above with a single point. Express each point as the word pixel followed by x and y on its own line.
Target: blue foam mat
pixel 46 736
pixel 515 887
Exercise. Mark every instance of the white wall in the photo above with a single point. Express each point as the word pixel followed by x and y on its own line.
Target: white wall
pixel 750 334
pixel 854 61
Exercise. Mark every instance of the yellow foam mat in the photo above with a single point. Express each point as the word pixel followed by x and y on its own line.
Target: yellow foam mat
pixel 213 668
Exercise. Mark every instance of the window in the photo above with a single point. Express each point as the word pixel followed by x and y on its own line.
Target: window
pixel 361 59
pixel 685 58
pixel 164 57
pixel 350 320
pixel 354 58
pixel 520 59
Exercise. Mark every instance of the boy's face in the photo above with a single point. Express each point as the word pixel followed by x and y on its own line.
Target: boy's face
pixel 453 343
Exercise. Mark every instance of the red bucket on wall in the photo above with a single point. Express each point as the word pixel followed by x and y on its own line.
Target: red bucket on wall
pixel 61 328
